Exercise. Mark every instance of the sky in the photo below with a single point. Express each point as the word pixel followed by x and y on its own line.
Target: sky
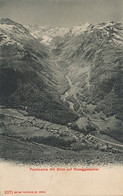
pixel 61 12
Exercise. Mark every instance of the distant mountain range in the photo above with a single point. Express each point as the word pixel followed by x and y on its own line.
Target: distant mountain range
pixel 46 34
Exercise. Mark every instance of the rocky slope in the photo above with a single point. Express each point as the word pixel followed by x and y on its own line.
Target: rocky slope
pixel 29 77
pixel 95 68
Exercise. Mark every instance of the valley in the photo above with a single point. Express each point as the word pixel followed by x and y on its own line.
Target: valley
pixel 72 92
pixel 61 94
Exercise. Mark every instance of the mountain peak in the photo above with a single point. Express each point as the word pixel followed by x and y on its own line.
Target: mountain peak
pixel 6 21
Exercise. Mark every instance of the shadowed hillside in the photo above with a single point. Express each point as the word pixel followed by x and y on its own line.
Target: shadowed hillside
pixel 28 78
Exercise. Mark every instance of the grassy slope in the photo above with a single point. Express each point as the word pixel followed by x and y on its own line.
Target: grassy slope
pixel 12 149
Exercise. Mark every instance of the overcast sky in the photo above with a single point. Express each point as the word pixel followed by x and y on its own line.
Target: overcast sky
pixel 61 12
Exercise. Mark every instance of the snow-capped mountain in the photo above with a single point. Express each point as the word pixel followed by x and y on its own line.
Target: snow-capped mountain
pixel 112 30
pixel 10 32
pixel 46 34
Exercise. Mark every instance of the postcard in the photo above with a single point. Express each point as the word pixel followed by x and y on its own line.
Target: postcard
pixel 61 97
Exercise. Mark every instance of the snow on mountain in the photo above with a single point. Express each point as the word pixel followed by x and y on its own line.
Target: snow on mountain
pixel 12 33
pixel 5 39
pixel 111 29
pixel 46 34
pixel 77 30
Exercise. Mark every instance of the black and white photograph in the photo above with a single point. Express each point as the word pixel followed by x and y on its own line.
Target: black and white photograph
pixel 61 82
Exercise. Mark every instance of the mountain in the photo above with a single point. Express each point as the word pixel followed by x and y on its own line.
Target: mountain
pixel 61 93
pixel 46 34
pixel 28 75
pixel 95 64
